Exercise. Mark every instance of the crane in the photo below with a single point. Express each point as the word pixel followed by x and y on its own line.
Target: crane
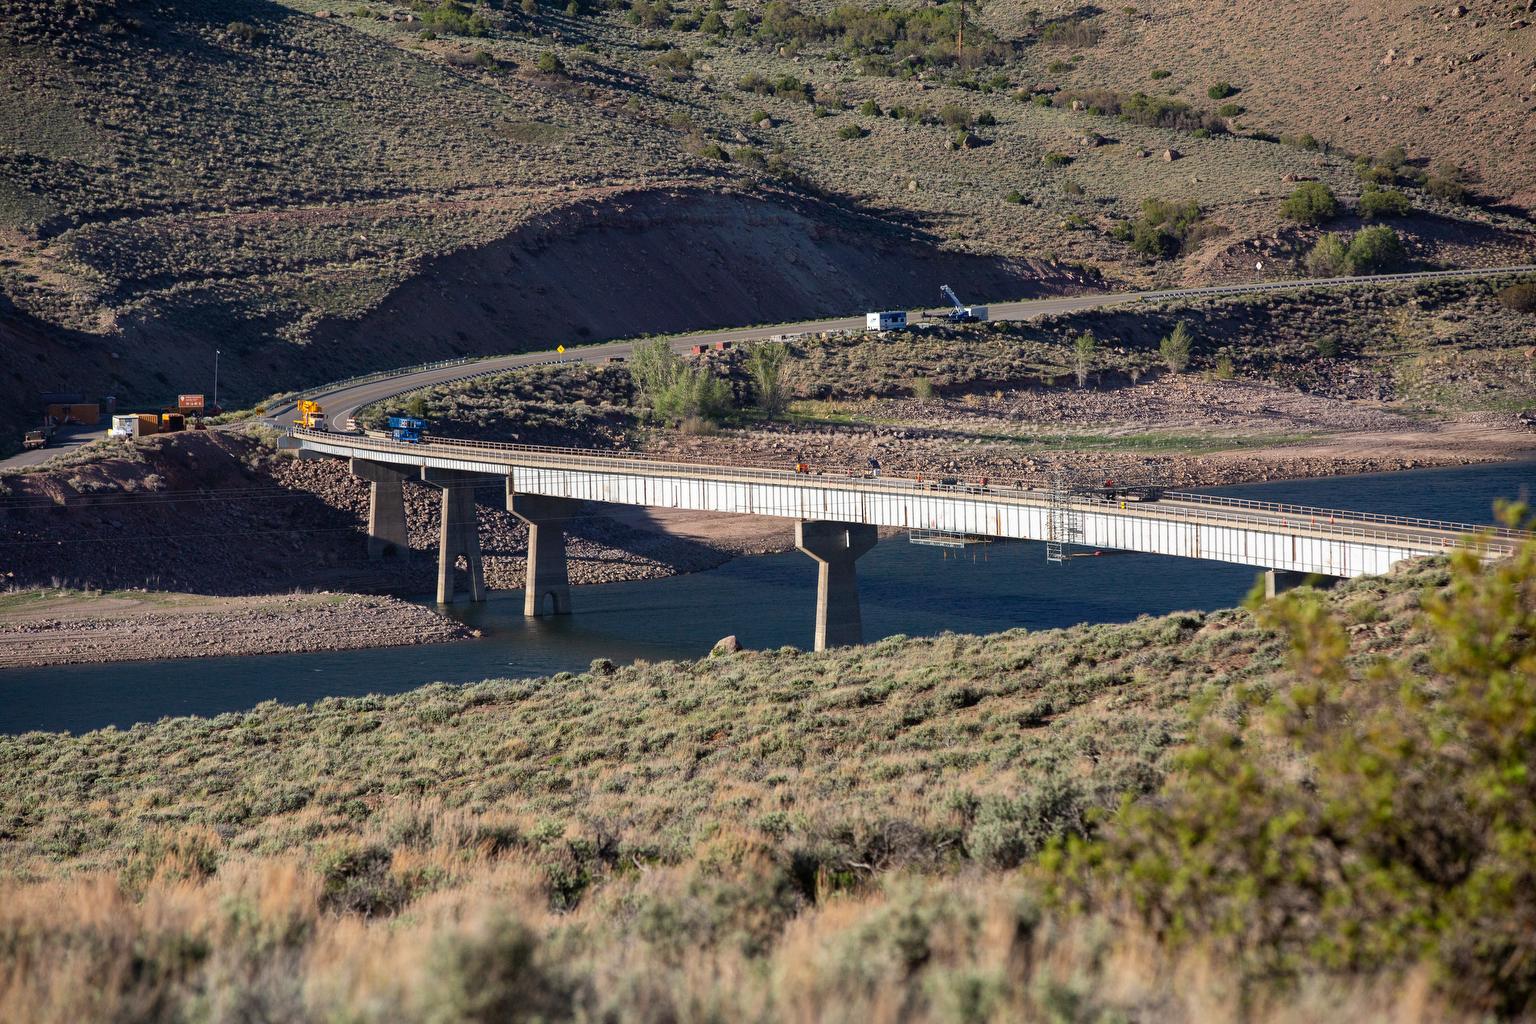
pixel 961 314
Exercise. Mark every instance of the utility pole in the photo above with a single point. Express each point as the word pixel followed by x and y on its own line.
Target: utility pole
pixel 216 381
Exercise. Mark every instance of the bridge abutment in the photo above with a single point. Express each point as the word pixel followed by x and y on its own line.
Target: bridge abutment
pixel 1278 581
pixel 836 547
pixel 459 533
pixel 548 583
pixel 387 532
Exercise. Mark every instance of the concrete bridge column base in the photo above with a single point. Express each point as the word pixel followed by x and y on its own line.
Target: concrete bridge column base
pixel 1278 581
pixel 387 533
pixel 459 533
pixel 547 589
pixel 836 546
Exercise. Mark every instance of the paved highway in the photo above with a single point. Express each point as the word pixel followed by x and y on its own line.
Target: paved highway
pixel 342 399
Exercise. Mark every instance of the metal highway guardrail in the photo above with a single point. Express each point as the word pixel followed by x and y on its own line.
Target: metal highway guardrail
pixel 1182 506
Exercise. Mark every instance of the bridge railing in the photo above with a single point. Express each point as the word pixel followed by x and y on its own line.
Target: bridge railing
pixel 1310 512
pixel 1424 534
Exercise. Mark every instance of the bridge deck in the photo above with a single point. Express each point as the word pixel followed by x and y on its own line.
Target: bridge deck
pixel 1263 534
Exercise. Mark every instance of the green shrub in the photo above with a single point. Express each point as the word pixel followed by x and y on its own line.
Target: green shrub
pixel 955 115
pixel 1176 348
pixel 852 131
pixel 1373 250
pixel 1312 203
pixel 1159 74
pixel 1016 197
pixel 1328 257
pixel 550 64
pixel 1384 202
pixel 1083 350
pixel 869 108
pixel 1221 90
pixel 1054 159
pixel 1161 230
pixel 244 32
pixel 1230 110
pixel 452 18
pixel 1448 182
pixel 1327 346
pixel 767 366
pixel 1401 832
pixel 1519 297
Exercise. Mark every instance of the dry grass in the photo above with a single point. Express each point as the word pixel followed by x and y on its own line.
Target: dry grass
pixel 763 836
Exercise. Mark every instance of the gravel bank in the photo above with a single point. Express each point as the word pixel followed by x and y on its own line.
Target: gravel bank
pixel 144 631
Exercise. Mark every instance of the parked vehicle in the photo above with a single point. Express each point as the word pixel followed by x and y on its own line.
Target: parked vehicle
pixel 889 320
pixel 34 439
pixel 961 313
pixel 407 428
pixel 311 416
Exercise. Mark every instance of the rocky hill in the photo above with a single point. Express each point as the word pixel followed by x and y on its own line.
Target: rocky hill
pixel 315 190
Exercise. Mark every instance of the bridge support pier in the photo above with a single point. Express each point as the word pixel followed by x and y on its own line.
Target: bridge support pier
pixel 1278 581
pixel 548 584
pixel 836 546
pixel 387 533
pixel 459 533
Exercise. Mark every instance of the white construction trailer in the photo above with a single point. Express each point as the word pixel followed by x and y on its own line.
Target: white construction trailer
pixel 890 320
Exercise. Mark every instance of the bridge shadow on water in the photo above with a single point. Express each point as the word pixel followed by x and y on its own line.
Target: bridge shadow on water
pixel 765 601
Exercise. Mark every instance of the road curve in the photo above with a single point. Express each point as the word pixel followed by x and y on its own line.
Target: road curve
pixel 342 399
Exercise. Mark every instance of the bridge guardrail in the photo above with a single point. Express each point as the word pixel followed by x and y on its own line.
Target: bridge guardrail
pixel 1212 509
pixel 1310 511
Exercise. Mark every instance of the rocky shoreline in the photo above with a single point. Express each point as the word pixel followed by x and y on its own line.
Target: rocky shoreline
pixel 243 626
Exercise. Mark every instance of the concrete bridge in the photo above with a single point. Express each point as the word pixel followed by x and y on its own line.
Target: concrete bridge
pixel 838 516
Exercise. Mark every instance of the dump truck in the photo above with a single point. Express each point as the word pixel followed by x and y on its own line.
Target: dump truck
pixel 311 416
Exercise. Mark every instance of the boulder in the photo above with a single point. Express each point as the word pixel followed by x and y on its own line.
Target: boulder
pixel 726 645
pixel 1170 155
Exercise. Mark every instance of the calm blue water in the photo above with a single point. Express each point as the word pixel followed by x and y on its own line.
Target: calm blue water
pixel 766 602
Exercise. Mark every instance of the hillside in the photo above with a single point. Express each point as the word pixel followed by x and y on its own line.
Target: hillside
pixel 316 191
pixel 778 835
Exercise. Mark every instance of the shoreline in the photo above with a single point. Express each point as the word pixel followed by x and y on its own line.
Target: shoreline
pixel 42 630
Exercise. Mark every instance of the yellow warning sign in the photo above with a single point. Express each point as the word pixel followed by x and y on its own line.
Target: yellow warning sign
pixel 561 350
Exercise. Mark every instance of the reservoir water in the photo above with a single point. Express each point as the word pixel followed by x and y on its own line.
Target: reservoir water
pixel 765 601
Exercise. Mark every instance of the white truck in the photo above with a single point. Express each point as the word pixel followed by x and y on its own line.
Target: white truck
pixel 961 314
pixel 890 320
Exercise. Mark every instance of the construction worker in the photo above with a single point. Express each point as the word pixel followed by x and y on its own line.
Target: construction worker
pixel 874 467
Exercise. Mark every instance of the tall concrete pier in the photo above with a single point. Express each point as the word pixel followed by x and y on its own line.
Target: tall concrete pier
pixel 836 547
pixel 387 532
pixel 459 533
pixel 548 586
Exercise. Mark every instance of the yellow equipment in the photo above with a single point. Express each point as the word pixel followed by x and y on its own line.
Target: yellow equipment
pixel 311 416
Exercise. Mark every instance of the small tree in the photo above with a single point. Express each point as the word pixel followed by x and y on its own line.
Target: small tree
pixel 1176 347
pixel 1083 350
pixel 1311 203
pixel 766 364
pixel 550 64
pixel 1328 256
pixel 1376 203
pixel 1373 250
